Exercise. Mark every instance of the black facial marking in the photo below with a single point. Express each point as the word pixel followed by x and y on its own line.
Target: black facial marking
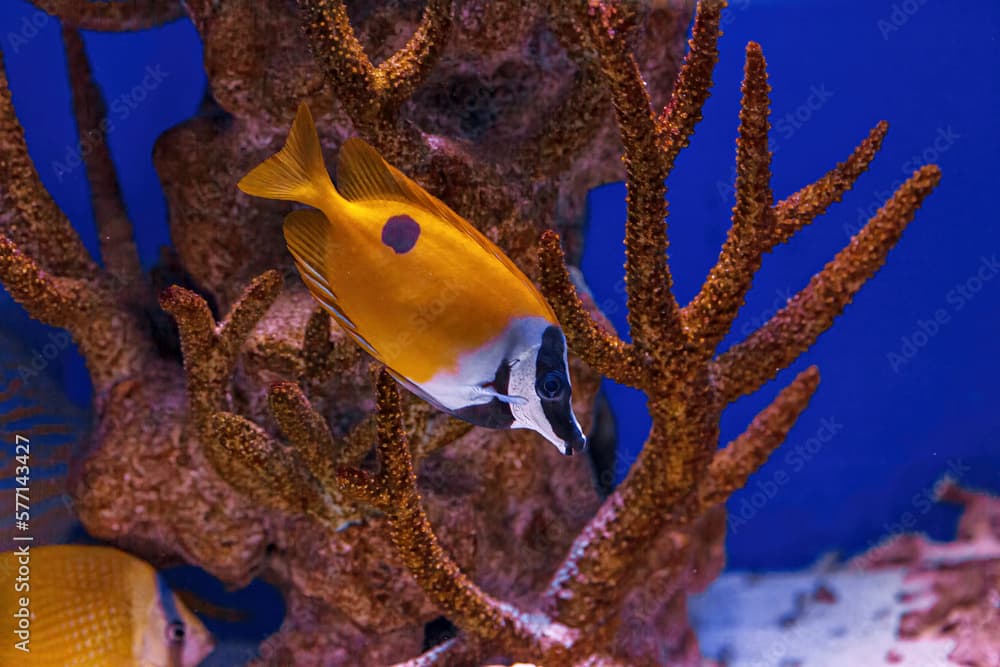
pixel 558 410
pixel 496 413
pixel 400 233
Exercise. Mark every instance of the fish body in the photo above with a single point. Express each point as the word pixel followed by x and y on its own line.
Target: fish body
pixel 421 289
pixel 93 606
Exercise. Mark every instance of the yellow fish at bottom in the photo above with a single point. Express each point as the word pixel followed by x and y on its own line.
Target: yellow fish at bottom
pixel 93 606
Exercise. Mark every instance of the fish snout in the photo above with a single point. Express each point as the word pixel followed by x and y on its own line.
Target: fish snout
pixel 577 443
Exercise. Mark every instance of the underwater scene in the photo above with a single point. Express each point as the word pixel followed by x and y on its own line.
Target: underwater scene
pixel 466 333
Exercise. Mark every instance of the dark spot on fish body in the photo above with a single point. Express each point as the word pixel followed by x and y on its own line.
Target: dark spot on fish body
pixel 400 233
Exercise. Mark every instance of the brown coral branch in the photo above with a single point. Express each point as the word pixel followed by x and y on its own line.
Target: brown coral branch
pixel 109 340
pixel 436 429
pixel 47 298
pixel 403 72
pixel 801 208
pixel 372 93
pixel 749 364
pixel 588 586
pixel 662 486
pixel 259 467
pixel 692 87
pixel 338 50
pixel 233 331
pixel 210 351
pixel 393 489
pixel 307 431
pixel 710 315
pixel 114 231
pixel 731 467
pixel 321 355
pixel 601 349
pixel 112 16
pixel 654 316
pixel 38 226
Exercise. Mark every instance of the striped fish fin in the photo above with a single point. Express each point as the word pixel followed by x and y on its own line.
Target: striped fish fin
pixel 35 414
pixel 307 234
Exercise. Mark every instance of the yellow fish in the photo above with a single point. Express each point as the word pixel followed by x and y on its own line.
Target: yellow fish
pixel 421 289
pixel 93 606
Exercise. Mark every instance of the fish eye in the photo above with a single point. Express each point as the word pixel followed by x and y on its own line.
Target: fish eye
pixel 175 632
pixel 552 385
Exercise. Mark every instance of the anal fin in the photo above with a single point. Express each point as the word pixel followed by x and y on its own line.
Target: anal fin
pixel 307 233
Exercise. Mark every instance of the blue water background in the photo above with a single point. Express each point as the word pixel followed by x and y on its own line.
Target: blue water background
pixel 862 461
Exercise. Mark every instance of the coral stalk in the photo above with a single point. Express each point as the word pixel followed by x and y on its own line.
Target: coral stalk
pixel 749 364
pixel 653 313
pixel 114 231
pixel 801 208
pixel 373 95
pixel 600 348
pixel 112 15
pixel 694 82
pixel 711 313
pixel 732 466
pixel 38 227
pixel 210 351
pixel 393 490
pixel 676 477
pixel 258 466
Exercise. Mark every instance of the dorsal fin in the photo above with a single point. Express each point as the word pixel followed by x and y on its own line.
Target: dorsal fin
pixel 363 174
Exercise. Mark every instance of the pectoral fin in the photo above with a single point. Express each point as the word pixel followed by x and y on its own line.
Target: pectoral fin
pixel 491 393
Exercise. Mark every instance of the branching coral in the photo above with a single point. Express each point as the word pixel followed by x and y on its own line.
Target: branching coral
pixel 671 354
pixel 260 445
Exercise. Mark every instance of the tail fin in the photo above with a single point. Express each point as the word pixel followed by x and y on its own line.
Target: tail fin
pixel 297 171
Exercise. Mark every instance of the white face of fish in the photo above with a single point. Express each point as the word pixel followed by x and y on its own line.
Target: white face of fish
pixel 541 376
pixel 519 380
